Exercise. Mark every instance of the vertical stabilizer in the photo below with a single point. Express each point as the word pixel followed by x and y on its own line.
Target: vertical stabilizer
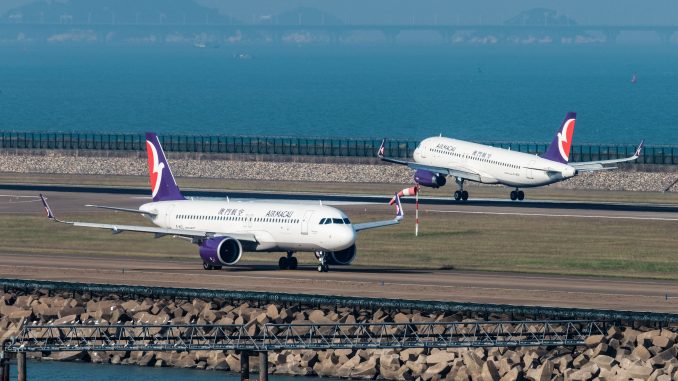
pixel 163 186
pixel 559 150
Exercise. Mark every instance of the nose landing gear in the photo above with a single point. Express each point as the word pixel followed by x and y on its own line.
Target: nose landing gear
pixel 323 267
pixel 288 262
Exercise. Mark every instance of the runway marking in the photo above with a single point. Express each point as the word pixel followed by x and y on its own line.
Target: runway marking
pixel 554 215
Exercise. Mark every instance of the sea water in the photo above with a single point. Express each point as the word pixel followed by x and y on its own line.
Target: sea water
pixel 489 93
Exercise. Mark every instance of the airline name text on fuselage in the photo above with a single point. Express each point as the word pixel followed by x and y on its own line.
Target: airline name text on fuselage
pixel 446 147
pixel 231 212
pixel 280 213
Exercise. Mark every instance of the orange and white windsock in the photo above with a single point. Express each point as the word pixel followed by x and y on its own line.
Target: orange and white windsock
pixel 411 191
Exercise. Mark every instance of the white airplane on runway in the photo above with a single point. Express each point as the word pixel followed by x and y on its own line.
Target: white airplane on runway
pixel 224 230
pixel 438 157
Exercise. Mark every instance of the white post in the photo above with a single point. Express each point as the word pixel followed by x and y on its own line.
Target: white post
pixel 416 212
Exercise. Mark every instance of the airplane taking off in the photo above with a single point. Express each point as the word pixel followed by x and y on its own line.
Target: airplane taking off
pixel 224 230
pixel 438 157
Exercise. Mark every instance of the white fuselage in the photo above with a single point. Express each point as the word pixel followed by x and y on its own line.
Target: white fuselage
pixel 276 226
pixel 494 165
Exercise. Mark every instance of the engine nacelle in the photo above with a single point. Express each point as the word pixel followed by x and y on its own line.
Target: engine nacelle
pixel 342 257
pixel 220 251
pixel 429 179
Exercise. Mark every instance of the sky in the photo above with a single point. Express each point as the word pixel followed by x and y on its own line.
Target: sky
pixel 447 11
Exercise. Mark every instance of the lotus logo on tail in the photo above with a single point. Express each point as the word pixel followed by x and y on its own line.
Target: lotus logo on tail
pixel 565 139
pixel 154 167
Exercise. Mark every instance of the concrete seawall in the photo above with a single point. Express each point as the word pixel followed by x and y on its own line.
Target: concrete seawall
pixel 629 178
pixel 624 353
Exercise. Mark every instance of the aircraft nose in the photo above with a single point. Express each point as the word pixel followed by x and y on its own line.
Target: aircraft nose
pixel 346 237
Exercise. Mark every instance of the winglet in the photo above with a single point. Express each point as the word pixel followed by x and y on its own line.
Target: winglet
pixel 48 210
pixel 399 208
pixel 382 148
pixel 640 147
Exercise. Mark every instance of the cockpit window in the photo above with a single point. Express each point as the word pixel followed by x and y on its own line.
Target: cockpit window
pixel 322 221
pixel 337 221
pixel 346 221
pixel 328 221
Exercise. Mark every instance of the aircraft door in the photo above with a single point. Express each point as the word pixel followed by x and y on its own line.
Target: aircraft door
pixel 247 223
pixel 529 172
pixel 169 219
pixel 304 222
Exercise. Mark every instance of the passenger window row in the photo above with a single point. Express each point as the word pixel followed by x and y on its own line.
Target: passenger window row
pixel 478 159
pixel 234 218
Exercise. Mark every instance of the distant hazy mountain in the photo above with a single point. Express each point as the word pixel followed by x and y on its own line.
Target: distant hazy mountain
pixel 117 11
pixel 540 16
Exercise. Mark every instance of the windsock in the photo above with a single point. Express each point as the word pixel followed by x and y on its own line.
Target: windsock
pixel 411 191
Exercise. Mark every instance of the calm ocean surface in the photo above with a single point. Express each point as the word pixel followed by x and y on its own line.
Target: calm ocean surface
pixel 483 93
pixel 76 371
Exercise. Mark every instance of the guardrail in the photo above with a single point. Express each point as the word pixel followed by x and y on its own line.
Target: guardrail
pixel 304 146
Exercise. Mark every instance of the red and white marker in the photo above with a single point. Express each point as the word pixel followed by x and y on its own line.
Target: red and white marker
pixel 411 191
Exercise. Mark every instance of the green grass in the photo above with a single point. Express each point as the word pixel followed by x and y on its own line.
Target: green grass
pixel 532 244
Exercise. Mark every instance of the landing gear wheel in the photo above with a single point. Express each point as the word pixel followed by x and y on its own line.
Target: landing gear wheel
pixel 464 195
pixel 293 263
pixel 514 195
pixel 521 195
pixel 457 195
pixel 323 267
pixel 207 266
pixel 283 263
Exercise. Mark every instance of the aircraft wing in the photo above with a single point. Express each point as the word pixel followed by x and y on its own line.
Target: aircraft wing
pixel 122 209
pixel 374 224
pixel 194 235
pixel 599 165
pixel 449 171
pixel 377 224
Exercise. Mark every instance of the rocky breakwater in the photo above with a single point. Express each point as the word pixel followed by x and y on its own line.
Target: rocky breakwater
pixel 622 353
pixel 647 179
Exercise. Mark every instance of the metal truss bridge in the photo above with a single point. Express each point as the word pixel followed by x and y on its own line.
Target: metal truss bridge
pixel 276 337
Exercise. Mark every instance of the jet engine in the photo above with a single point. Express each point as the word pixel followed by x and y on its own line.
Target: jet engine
pixel 342 257
pixel 221 251
pixel 429 179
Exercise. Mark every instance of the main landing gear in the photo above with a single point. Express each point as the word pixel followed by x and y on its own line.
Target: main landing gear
pixel 323 267
pixel 288 262
pixel 517 195
pixel 207 266
pixel 460 194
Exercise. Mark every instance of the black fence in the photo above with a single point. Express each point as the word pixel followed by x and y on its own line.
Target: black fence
pixel 281 145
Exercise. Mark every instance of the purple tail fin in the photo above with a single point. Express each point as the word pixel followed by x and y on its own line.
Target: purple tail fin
pixel 559 150
pixel 163 186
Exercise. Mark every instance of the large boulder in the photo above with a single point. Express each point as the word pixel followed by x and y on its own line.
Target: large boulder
pixel 489 372
pixel 541 373
pixel 440 357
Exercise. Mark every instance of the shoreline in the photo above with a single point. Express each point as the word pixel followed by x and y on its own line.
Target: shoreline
pixel 630 351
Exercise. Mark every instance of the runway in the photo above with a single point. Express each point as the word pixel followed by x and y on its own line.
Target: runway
pixel 476 287
pixel 459 286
